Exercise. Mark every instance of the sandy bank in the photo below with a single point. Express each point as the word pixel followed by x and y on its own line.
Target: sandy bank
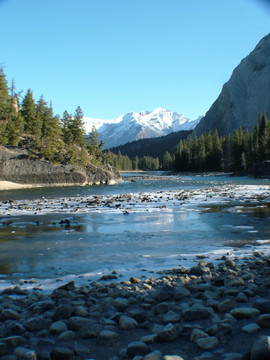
pixel 8 185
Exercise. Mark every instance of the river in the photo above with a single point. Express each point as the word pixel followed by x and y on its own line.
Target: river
pixel 145 224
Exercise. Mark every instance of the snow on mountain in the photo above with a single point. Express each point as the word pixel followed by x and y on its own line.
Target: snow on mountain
pixel 142 125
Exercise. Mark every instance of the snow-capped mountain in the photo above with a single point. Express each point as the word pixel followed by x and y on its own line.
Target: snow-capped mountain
pixel 142 125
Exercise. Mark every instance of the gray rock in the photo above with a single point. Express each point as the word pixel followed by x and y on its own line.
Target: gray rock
pixel 62 353
pixel 207 343
pixel 66 336
pixel 18 166
pixel 12 341
pixel 244 96
pixel 226 305
pixel 154 355
pixel 241 297
pixel 245 312
pixel 263 305
pixel 261 349
pixel 264 321
pixel 160 308
pixel 36 323
pixel 127 323
pixel 9 314
pixel 196 312
pixel 172 357
pixel 77 322
pixel 121 303
pixel 251 328
pixel 137 348
pixel 23 353
pixel 107 336
pixel 165 292
pixel 197 334
pixel 170 317
pixel 180 293
pixel 58 327
pixel 63 311
pixel 168 333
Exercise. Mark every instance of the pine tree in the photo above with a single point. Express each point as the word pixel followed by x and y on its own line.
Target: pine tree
pixel 28 113
pixel 94 148
pixel 4 99
pixel 77 128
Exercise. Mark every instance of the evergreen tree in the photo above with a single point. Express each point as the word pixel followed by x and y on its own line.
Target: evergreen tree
pixel 28 113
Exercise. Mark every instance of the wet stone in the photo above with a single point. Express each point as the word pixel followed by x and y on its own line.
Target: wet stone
pixel 107 336
pixel 245 312
pixel 251 328
pixel 261 349
pixel 207 343
pixel 264 321
pixel 137 348
pixel 62 353
pixel 127 323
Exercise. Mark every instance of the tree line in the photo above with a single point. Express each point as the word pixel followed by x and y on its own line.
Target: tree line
pixel 209 152
pixel 33 124
pixel 230 153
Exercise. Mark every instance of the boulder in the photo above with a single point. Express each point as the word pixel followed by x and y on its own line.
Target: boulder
pixel 261 349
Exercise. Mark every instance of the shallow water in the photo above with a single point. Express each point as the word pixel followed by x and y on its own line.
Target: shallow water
pixel 101 241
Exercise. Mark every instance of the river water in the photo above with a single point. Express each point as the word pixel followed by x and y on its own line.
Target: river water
pixel 127 237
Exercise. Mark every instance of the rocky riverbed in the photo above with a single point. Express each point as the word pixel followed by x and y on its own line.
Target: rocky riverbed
pixel 210 312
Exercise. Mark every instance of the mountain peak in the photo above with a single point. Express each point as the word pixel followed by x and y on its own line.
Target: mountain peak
pixel 139 125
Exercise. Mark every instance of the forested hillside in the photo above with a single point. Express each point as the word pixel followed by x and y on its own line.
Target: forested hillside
pixel 32 124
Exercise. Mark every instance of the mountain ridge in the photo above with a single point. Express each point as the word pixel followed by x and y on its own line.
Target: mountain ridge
pixel 139 125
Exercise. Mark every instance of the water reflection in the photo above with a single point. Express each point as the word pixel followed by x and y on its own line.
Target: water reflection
pixel 53 245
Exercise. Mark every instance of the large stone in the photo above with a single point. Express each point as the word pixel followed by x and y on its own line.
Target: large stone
pixel 107 336
pixel 245 312
pixel 196 312
pixel 127 323
pixel 263 305
pixel 137 348
pixel 170 317
pixel 180 293
pixel 264 321
pixel 58 327
pixel 9 314
pixel 261 349
pixel 66 336
pixel 121 303
pixel 172 357
pixel 207 343
pixel 165 292
pixel 160 308
pixel 77 322
pixel 197 334
pixel 154 355
pixel 36 323
pixel 168 333
pixel 62 353
pixel 251 328
pixel 23 353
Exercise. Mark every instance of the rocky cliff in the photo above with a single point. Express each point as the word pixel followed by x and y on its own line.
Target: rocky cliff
pixel 17 166
pixel 244 96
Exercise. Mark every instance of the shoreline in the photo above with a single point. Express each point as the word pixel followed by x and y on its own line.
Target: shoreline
pixel 219 310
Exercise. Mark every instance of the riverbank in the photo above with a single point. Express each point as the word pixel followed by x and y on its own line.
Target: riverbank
pixel 8 185
pixel 214 312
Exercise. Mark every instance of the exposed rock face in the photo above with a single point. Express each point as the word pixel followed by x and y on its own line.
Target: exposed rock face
pixel 244 96
pixel 17 166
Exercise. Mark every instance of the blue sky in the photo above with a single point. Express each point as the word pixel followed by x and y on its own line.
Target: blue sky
pixel 116 56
